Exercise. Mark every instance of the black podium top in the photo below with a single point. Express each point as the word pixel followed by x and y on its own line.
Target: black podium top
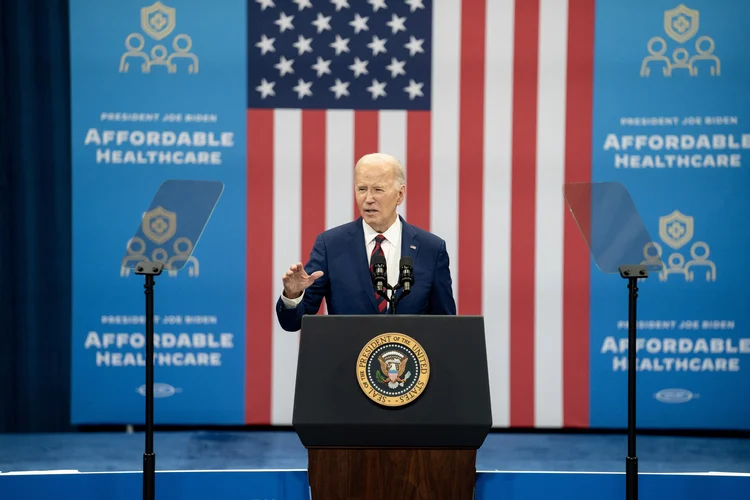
pixel 332 409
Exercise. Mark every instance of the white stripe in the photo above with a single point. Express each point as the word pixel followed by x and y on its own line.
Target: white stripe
pixel 550 154
pixel 498 123
pixel 446 80
pixel 392 134
pixel 287 223
pixel 339 167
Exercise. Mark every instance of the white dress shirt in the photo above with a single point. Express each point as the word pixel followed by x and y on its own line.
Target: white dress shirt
pixel 391 248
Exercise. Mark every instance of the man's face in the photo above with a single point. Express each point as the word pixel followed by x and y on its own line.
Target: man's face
pixel 377 195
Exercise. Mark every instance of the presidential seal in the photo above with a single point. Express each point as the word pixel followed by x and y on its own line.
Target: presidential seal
pixel 393 369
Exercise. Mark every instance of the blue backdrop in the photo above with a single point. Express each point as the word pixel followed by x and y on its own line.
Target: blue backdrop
pixel 160 92
pixel 157 95
pixel 672 123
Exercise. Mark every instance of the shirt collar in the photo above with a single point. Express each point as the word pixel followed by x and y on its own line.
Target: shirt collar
pixel 391 234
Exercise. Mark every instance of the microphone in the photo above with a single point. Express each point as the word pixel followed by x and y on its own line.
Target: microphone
pixel 406 273
pixel 379 275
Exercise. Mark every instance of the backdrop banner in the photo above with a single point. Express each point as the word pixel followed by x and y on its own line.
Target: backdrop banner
pixel 158 93
pixel 492 107
pixel 672 123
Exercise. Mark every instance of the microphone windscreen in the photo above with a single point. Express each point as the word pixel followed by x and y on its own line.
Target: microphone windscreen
pixel 378 260
pixel 406 261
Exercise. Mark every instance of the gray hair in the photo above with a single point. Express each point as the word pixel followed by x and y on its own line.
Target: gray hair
pixel 398 169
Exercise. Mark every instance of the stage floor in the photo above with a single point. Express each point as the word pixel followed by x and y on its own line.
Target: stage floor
pixel 274 450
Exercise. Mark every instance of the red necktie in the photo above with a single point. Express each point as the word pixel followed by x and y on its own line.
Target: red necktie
pixel 378 250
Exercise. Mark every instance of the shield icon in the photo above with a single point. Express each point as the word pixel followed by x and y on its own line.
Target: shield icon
pixel 681 23
pixel 159 225
pixel 158 20
pixel 676 229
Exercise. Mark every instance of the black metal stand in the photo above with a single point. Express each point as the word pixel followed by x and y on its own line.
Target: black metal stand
pixel 393 300
pixel 632 274
pixel 149 270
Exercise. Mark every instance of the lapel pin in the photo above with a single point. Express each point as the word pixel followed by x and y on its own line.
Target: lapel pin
pixel 413 247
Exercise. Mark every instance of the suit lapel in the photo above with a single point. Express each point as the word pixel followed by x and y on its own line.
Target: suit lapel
pixel 358 254
pixel 409 244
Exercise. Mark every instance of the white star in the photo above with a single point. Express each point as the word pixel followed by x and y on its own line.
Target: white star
pixel 302 45
pixel 415 4
pixel 322 67
pixel 396 67
pixel 377 4
pixel 265 45
pixel 414 89
pixel 340 4
pixel 359 67
pixel 265 89
pixel 414 45
pixel 341 88
pixel 265 3
pixel 284 66
pixel 341 45
pixel 284 22
pixel 322 23
pixel 302 3
pixel 359 23
pixel 302 88
pixel 377 45
pixel 396 23
pixel 377 89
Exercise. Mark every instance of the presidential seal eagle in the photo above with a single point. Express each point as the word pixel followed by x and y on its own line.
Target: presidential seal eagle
pixel 393 365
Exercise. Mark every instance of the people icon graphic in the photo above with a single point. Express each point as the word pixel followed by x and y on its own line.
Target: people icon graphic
pixel 657 56
pixel 676 263
pixel 705 53
pixel 681 24
pixel 654 259
pixel 134 43
pixel 159 55
pixel 700 260
pixel 158 22
pixel 135 249
pixel 183 248
pixel 158 58
pixel 677 230
pixel 182 53
pixel 681 60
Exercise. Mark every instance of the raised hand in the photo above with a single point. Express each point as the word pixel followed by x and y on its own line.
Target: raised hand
pixel 296 280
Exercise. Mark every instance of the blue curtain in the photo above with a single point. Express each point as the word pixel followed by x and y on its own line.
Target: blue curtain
pixel 35 216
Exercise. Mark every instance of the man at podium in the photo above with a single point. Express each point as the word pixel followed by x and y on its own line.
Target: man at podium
pixel 339 265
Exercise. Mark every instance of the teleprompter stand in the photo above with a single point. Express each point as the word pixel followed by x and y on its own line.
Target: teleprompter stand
pixel 165 240
pixel 632 274
pixel 619 243
pixel 149 270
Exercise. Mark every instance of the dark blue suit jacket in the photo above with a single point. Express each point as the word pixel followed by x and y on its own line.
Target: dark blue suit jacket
pixel 346 283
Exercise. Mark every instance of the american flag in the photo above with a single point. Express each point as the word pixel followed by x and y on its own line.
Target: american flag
pixel 488 105
pixel 334 56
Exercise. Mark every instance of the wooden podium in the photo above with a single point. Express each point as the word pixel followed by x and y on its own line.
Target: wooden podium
pixel 410 433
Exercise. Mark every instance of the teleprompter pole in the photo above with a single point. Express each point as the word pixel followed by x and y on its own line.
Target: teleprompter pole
pixel 149 270
pixel 632 274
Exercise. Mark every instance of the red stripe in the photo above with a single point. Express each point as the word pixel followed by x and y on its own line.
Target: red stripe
pixel 418 160
pixel 471 155
pixel 523 208
pixel 259 287
pixel 313 179
pixel 365 138
pixel 577 169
